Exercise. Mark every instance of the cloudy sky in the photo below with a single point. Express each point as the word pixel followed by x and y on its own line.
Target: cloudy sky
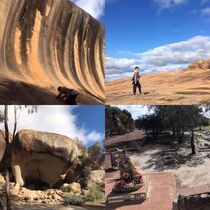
pixel 140 110
pixel 94 7
pixel 82 122
pixel 157 35
pixel 135 110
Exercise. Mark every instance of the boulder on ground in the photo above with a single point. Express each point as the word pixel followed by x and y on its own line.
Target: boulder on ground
pixel 75 187
pixel 41 157
pixel 97 176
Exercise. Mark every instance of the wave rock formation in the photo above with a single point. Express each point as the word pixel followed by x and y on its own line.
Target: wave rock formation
pixel 49 43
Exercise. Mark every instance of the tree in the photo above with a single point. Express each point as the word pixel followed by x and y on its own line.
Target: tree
pixel 5 164
pixel 151 123
pixel 118 121
pixel 175 119
pixel 179 119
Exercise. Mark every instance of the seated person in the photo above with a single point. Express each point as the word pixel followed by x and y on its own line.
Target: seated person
pixel 69 95
pixel 130 177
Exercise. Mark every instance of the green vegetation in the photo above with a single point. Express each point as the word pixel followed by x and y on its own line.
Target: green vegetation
pixel 118 121
pixel 74 200
pixel 173 119
pixel 93 161
pixel 96 194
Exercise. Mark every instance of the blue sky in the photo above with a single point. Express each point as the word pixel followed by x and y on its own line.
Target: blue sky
pixel 85 123
pixel 158 35
pixel 91 117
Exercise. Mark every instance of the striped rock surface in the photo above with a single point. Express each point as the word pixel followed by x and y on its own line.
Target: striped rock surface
pixel 51 43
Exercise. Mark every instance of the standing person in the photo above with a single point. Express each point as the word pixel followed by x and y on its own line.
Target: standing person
pixel 136 82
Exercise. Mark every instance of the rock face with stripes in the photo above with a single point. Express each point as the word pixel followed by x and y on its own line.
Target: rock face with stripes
pixel 52 43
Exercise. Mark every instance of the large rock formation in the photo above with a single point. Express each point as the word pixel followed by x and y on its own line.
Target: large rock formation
pixel 40 157
pixel 46 44
pixel 2 144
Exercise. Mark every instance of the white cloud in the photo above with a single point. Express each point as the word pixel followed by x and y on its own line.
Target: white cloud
pixel 55 119
pixel 167 4
pixel 119 65
pixel 93 7
pixel 95 136
pixel 170 57
pixel 135 110
pixel 206 11
pixel 204 1
pixel 179 53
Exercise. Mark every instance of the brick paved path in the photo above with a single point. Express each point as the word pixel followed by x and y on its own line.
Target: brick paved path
pixel 161 193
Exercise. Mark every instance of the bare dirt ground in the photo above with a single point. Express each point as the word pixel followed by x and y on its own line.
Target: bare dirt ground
pixel 52 207
pixel 126 139
pixel 183 87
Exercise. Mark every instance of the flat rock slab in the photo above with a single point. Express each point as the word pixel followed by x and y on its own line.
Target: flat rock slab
pixel 160 196
pixel 203 189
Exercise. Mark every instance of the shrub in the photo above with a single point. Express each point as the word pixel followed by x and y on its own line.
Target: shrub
pixel 74 200
pixel 96 194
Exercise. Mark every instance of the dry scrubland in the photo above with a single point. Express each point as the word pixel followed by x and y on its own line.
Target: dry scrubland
pixel 189 86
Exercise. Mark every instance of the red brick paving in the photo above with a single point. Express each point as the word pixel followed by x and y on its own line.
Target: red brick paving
pixel 162 192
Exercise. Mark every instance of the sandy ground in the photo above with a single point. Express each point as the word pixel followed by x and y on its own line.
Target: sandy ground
pixel 51 207
pixel 183 87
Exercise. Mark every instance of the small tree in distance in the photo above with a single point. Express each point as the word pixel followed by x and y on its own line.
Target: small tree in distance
pixel 5 163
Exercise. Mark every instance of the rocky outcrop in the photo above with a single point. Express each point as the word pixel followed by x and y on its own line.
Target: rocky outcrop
pixel 48 44
pixel 199 65
pixel 41 158
pixel 2 144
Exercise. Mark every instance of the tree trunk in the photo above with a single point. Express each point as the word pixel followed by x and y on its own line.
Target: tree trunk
pixel 193 143
pixel 174 132
pixel 180 138
pixel 7 157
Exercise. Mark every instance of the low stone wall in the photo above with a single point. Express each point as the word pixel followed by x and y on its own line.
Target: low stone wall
pixel 195 202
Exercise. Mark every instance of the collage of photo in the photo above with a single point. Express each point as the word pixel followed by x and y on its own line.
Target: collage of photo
pixel 105 104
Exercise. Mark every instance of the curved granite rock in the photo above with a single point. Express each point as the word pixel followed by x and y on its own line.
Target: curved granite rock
pixel 51 43
pixel 43 156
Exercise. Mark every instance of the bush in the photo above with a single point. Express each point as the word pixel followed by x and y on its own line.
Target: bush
pixel 74 200
pixel 96 194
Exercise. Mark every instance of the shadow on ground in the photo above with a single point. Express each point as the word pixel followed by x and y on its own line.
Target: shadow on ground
pixel 17 92
pixel 172 158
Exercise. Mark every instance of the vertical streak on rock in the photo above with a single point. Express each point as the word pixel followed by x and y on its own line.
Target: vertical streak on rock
pixel 52 43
